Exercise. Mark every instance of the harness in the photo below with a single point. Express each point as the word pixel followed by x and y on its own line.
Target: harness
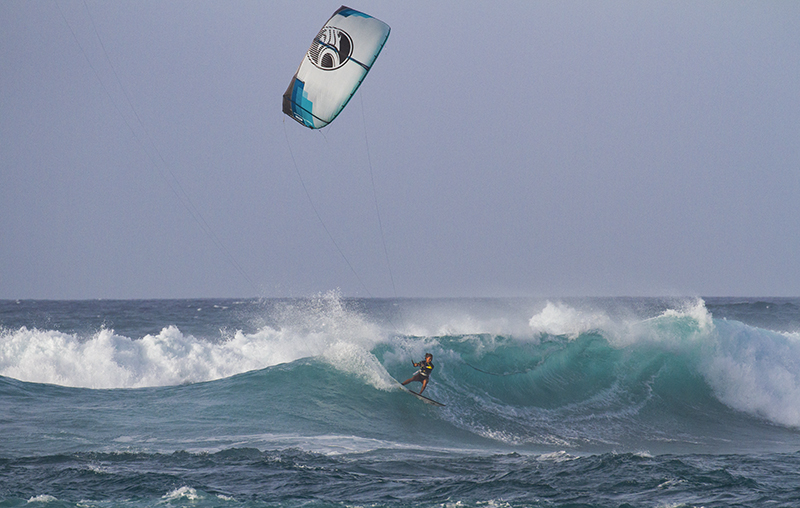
pixel 425 369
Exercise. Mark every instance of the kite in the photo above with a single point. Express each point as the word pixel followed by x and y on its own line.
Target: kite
pixel 337 62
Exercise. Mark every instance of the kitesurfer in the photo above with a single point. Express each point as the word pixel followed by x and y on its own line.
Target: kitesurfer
pixel 425 369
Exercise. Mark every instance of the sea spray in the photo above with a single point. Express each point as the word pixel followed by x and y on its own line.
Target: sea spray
pixel 560 319
pixel 287 403
pixel 575 374
pixel 321 326
pixel 755 371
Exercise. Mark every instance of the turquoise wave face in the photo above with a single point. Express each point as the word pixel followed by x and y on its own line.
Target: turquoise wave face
pixel 501 394
pixel 322 374
pixel 295 403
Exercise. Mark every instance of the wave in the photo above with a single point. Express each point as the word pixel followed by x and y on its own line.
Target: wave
pixel 105 359
pixel 563 375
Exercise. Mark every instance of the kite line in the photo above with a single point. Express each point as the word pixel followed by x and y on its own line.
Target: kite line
pixel 163 168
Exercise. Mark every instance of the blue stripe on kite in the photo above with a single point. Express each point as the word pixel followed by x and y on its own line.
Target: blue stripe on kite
pixel 301 106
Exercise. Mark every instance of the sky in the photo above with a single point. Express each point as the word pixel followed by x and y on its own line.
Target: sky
pixel 506 148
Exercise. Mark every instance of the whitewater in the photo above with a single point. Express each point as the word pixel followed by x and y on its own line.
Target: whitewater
pixel 295 402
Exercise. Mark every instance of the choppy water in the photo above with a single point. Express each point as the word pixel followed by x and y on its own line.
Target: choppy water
pixel 561 402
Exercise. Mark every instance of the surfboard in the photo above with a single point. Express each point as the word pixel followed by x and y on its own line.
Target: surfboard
pixel 422 397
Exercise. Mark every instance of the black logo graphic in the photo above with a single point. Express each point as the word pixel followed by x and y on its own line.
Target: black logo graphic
pixel 331 48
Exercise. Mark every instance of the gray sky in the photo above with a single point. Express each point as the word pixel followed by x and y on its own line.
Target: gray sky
pixel 517 148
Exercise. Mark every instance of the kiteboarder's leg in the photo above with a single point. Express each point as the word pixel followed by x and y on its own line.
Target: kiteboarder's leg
pixel 424 384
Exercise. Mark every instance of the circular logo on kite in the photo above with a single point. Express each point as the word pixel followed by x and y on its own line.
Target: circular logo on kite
pixel 331 48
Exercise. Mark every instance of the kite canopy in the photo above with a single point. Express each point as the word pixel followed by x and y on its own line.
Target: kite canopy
pixel 339 58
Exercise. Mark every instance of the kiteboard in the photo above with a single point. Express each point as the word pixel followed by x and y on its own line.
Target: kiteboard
pixel 422 397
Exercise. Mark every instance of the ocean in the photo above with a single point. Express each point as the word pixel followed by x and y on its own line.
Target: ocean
pixel 560 402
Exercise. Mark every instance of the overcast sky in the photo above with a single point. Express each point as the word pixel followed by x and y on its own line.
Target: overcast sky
pixel 516 148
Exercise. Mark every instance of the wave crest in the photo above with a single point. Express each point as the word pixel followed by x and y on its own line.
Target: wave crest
pixel 320 326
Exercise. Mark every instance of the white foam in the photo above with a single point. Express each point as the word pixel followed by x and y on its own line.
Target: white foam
pixel 681 328
pixel 559 319
pixel 43 498
pixel 756 371
pixel 357 360
pixel 187 493
pixel 319 327
pixel 562 320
